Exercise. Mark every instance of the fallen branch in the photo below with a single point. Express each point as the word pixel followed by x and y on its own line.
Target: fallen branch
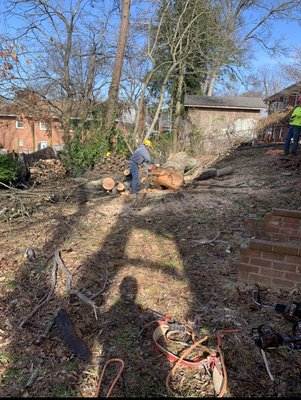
pixel 58 263
pixel 45 299
pixel 205 241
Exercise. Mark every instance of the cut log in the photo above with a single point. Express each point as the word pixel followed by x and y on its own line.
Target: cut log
pixel 120 187
pixel 166 177
pixel 214 172
pixel 108 183
pixel 127 172
pixel 209 173
pixel 94 184
pixel 181 162
pixel 70 337
pixel 224 171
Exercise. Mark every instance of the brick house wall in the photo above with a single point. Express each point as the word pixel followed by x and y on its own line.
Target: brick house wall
pixel 28 136
pixel 279 103
pixel 272 257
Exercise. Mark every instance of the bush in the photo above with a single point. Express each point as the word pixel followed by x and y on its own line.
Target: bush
pixel 9 168
pixel 87 148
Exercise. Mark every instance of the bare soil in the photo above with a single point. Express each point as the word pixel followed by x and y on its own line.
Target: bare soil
pixel 139 252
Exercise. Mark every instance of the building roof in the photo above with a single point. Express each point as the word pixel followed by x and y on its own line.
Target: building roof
pixel 255 103
pixel 292 89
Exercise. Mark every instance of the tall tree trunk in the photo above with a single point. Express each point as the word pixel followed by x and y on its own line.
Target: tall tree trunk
pixel 212 79
pixel 141 105
pixel 161 99
pixel 176 125
pixel 33 134
pixel 122 40
pixel 141 121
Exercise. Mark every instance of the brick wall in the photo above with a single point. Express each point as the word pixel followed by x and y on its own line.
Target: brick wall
pixel 273 255
pixel 27 139
pixel 279 225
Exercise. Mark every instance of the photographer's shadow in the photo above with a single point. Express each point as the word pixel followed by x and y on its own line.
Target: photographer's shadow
pixel 129 340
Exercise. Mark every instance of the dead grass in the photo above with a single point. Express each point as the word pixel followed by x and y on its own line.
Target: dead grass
pixel 145 257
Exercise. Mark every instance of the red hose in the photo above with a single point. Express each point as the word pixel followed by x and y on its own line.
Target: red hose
pixel 115 380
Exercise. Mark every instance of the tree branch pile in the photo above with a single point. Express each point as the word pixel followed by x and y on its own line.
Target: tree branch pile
pixel 273 119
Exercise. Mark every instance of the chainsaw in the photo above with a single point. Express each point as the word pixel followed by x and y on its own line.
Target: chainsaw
pixel 265 337
pixel 291 311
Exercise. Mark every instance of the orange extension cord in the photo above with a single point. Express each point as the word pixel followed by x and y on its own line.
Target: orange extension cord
pixel 115 380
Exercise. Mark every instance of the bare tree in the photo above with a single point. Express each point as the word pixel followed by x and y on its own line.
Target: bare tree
pixel 292 69
pixel 63 44
pixel 245 23
pixel 121 46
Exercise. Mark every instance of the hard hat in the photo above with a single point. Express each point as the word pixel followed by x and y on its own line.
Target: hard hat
pixel 148 143
pixel 299 99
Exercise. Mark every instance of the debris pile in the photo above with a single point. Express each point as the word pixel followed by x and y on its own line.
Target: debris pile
pixel 47 170
pixel 273 119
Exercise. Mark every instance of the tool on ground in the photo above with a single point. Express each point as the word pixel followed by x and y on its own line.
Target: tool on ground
pixel 214 364
pixel 265 337
pixel 266 363
pixel 291 311
pixel 112 360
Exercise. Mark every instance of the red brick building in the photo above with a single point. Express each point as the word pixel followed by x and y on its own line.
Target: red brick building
pixel 279 102
pixel 27 135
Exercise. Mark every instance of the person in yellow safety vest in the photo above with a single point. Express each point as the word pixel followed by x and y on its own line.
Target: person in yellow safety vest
pixel 294 130
pixel 140 156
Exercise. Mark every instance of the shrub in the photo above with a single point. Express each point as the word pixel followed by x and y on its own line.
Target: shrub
pixel 9 168
pixel 88 147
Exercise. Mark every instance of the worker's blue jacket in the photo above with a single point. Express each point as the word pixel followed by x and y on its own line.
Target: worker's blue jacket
pixel 141 155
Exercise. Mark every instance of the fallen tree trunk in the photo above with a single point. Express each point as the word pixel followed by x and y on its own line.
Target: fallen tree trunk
pixel 181 162
pixel 214 172
pixel 169 178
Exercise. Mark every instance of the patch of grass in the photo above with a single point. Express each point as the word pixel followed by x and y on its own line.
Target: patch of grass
pixel 62 389
pixel 170 265
pixel 11 284
pixel 6 358
pixel 125 339
pixel 72 365
pixel 12 375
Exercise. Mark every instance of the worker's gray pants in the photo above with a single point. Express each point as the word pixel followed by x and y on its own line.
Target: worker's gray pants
pixel 134 168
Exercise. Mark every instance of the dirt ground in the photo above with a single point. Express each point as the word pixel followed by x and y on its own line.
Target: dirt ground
pixel 132 253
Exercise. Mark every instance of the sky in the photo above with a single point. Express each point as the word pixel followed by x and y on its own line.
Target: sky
pixel 291 30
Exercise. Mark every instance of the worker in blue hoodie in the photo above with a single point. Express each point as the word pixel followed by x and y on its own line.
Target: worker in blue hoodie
pixel 140 156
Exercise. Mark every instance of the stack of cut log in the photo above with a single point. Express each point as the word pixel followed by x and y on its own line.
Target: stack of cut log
pixel 110 182
pixel 111 174
pixel 47 170
pixel 111 164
